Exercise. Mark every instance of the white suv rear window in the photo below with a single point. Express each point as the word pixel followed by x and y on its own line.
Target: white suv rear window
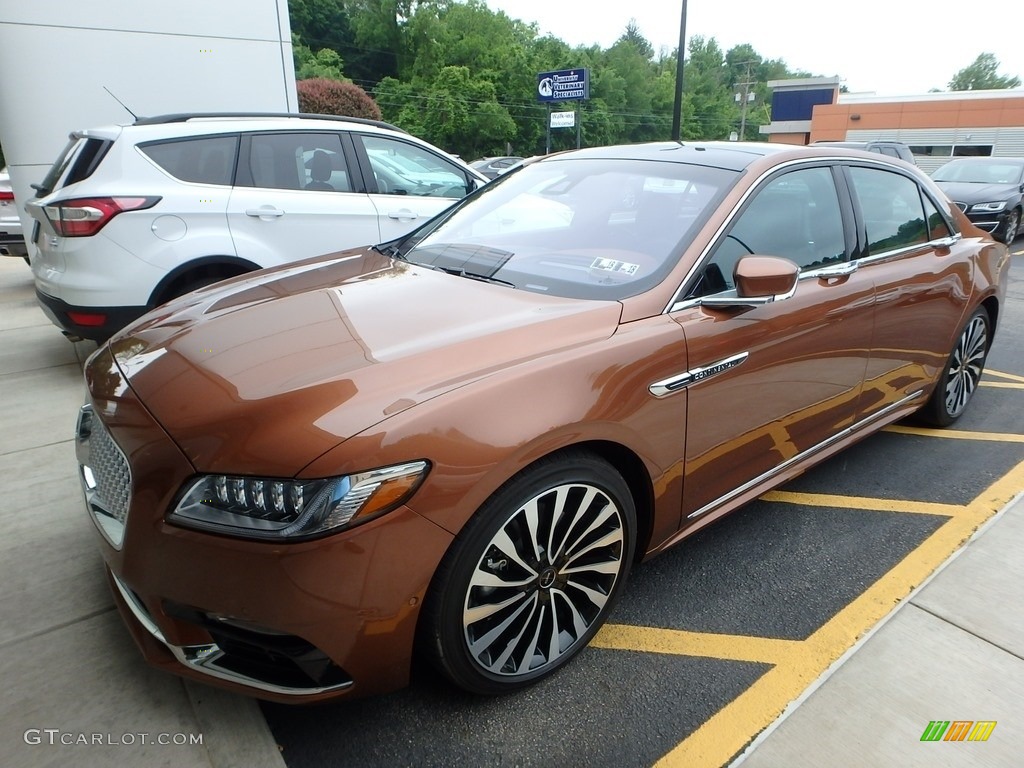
pixel 208 160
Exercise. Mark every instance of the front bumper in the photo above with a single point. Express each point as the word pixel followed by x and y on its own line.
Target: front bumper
pixel 289 622
pixel 237 667
pixel 990 222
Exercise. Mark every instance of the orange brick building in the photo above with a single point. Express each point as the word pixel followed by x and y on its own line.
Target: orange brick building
pixel 936 126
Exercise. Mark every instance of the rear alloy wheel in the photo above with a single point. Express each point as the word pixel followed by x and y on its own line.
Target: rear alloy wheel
pixel 1010 227
pixel 963 371
pixel 533 576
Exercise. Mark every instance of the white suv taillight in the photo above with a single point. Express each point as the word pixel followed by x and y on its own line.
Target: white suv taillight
pixel 88 215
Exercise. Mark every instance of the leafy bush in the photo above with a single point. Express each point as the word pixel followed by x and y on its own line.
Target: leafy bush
pixel 329 97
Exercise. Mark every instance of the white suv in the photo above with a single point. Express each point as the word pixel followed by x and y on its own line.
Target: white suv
pixel 131 216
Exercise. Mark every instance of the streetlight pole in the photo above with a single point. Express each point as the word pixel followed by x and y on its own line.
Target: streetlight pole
pixel 678 109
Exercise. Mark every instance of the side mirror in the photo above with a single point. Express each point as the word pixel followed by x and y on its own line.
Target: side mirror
pixel 763 276
pixel 759 280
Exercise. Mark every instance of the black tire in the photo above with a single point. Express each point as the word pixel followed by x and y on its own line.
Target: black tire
pixel 504 612
pixel 1009 229
pixel 962 373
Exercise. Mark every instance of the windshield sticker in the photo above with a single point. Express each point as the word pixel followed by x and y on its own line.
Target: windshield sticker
pixel 611 265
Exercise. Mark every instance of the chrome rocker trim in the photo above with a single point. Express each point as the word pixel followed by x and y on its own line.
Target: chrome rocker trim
pixel 801 456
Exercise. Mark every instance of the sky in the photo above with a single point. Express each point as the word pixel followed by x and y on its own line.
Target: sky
pixel 892 48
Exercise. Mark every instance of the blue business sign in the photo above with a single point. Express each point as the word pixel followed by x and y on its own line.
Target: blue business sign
pixel 563 85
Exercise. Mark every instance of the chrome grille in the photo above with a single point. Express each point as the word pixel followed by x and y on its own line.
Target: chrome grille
pixel 106 476
pixel 110 468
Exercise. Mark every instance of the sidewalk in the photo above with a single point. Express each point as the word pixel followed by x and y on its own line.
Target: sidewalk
pixel 953 651
pixel 67 663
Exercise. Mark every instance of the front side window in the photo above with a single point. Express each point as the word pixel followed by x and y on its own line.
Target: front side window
pixel 576 227
pixel 795 216
pixel 209 160
pixel 892 208
pixel 303 161
pixel 401 168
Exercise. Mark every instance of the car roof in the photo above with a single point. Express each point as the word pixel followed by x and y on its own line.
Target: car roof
pixel 182 117
pixel 195 124
pixel 731 155
pixel 855 143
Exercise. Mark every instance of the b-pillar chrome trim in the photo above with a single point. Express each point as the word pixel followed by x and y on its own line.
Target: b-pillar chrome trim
pixel 677 382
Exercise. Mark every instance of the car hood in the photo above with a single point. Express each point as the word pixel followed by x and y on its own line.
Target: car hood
pixel 964 192
pixel 265 373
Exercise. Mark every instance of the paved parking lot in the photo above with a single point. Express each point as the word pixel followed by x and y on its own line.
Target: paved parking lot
pixel 708 645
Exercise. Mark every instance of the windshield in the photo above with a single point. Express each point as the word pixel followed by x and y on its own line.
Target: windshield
pixel 981 172
pixel 575 227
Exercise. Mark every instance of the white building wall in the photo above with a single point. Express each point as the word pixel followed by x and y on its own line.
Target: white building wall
pixel 56 56
pixel 1006 142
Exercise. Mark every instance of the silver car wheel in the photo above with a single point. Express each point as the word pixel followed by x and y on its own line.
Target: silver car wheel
pixel 544 579
pixel 966 366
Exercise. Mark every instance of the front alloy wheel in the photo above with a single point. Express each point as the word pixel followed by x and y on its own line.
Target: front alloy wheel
pixel 1010 227
pixel 536 575
pixel 962 373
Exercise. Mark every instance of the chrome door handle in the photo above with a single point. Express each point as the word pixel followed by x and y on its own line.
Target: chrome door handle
pixel 839 270
pixel 403 214
pixel 267 212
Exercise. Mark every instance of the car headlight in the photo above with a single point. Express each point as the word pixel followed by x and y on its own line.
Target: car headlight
pixel 274 508
pixel 993 207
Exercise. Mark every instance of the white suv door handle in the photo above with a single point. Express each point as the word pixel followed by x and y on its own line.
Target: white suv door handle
pixel 405 213
pixel 266 211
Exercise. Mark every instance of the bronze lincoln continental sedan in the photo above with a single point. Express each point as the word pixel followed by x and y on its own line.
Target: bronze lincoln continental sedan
pixel 461 441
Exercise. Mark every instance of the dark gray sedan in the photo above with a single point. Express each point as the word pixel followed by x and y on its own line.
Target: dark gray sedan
pixel 988 189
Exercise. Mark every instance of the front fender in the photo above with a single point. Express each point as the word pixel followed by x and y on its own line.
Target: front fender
pixel 479 436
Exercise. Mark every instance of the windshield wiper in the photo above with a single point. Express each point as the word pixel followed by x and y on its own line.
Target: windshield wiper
pixel 476 276
pixel 388 249
pixel 463 273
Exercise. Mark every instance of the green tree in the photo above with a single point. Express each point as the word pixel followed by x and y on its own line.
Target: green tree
pixel 325 63
pixel 708 107
pixel 454 111
pixel 982 75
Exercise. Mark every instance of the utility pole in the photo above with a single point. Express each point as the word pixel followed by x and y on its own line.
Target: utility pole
pixel 744 95
pixel 678 109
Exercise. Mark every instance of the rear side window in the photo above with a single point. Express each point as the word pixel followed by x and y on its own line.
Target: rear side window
pixel 298 161
pixel 209 160
pixel 892 208
pixel 88 160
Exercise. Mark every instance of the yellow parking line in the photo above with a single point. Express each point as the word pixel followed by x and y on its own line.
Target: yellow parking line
pixel 1001 384
pixel 863 502
pixel 733 726
pixel 956 434
pixel 622 637
pixel 1001 375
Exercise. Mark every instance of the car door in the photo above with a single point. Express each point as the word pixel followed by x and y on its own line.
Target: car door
pixel 408 183
pixel 773 383
pixel 922 285
pixel 298 194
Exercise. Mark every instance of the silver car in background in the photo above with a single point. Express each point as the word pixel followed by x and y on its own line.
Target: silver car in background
pixel 12 239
